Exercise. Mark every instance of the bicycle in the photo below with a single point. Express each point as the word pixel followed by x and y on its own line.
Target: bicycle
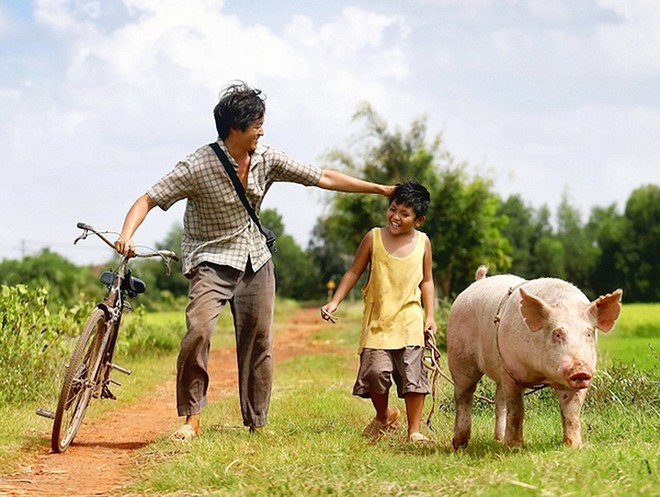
pixel 87 374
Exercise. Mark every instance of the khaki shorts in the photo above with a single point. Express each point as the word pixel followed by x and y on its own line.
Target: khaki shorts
pixel 378 367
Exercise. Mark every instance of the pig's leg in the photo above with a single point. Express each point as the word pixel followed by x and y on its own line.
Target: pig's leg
pixel 500 414
pixel 515 413
pixel 570 404
pixel 464 387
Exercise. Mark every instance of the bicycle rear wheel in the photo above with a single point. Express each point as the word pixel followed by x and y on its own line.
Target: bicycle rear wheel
pixel 81 381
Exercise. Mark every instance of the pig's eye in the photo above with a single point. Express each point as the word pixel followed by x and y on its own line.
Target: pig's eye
pixel 559 336
pixel 590 334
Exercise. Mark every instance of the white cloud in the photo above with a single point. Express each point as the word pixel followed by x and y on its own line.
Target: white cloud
pixel 549 10
pixel 136 96
pixel 633 45
pixel 542 95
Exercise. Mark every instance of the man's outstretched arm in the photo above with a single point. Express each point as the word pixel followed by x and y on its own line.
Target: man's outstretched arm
pixel 341 182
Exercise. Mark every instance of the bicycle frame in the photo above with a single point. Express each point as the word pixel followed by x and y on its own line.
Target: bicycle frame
pixel 121 286
pixel 87 374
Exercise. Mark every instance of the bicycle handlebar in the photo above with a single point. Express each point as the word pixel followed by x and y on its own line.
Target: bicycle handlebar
pixel 167 254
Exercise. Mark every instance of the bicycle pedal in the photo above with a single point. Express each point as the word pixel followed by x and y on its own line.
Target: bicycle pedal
pixel 107 394
pixel 121 369
pixel 45 413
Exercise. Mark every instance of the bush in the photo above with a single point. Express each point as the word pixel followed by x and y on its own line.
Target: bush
pixel 625 385
pixel 139 338
pixel 65 281
pixel 34 341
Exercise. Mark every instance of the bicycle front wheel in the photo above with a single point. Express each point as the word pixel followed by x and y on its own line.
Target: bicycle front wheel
pixel 81 381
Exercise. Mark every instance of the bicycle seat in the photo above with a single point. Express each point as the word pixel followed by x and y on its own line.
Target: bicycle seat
pixel 133 285
pixel 107 277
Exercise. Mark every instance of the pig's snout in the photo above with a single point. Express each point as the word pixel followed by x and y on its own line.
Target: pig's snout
pixel 578 381
pixel 578 375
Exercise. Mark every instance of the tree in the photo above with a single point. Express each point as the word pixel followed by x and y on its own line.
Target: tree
pixel 608 229
pixel 328 252
pixel 465 230
pixel 580 254
pixel 297 276
pixel 550 258
pixel 163 289
pixel 64 280
pixel 462 221
pixel 642 244
pixel 519 230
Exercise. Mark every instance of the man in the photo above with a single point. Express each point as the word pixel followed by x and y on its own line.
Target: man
pixel 225 256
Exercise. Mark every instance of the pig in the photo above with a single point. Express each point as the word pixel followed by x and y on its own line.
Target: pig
pixel 523 334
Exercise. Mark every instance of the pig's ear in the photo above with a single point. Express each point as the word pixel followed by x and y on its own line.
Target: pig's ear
pixel 606 310
pixel 534 311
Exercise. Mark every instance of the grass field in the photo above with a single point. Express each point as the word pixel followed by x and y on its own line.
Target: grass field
pixel 635 339
pixel 313 444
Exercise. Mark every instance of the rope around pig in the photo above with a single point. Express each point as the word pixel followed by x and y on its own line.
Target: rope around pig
pixel 432 362
pixel 497 320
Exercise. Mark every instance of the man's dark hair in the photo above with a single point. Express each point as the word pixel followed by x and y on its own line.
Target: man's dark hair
pixel 412 194
pixel 238 107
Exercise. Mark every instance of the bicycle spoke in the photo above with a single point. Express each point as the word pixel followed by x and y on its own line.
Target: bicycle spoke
pixel 81 381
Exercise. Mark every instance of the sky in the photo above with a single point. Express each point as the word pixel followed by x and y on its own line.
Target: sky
pixel 99 99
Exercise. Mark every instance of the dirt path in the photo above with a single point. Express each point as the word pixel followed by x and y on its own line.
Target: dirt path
pixel 97 461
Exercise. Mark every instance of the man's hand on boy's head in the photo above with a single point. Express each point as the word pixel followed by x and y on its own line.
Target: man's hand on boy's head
pixel 389 190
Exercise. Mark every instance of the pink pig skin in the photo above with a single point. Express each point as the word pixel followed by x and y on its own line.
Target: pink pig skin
pixel 546 334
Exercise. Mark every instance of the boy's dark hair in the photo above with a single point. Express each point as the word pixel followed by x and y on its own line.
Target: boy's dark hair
pixel 412 194
pixel 238 107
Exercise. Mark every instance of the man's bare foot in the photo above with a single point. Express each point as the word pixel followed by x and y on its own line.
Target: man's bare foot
pixel 189 430
pixel 183 434
pixel 194 421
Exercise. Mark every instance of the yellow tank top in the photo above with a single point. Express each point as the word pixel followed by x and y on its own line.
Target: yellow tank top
pixel 393 316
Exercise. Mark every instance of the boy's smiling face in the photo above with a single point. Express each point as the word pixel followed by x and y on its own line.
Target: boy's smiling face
pixel 401 218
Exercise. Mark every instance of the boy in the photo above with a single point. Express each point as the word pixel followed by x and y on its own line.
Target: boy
pixel 398 307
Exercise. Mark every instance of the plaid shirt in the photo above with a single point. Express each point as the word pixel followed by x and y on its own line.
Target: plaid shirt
pixel 216 226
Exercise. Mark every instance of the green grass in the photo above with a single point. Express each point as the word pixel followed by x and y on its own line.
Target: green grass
pixel 313 445
pixel 20 440
pixel 635 338
pixel 23 433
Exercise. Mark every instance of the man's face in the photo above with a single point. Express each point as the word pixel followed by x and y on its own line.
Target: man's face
pixel 249 138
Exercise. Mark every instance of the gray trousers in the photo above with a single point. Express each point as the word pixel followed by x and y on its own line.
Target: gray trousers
pixel 251 297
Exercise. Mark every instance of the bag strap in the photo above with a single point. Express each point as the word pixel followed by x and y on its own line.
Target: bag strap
pixel 237 184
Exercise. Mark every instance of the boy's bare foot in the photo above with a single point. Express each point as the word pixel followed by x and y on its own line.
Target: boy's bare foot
pixel 418 438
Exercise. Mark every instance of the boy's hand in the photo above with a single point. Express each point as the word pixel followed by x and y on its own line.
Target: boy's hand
pixel 325 314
